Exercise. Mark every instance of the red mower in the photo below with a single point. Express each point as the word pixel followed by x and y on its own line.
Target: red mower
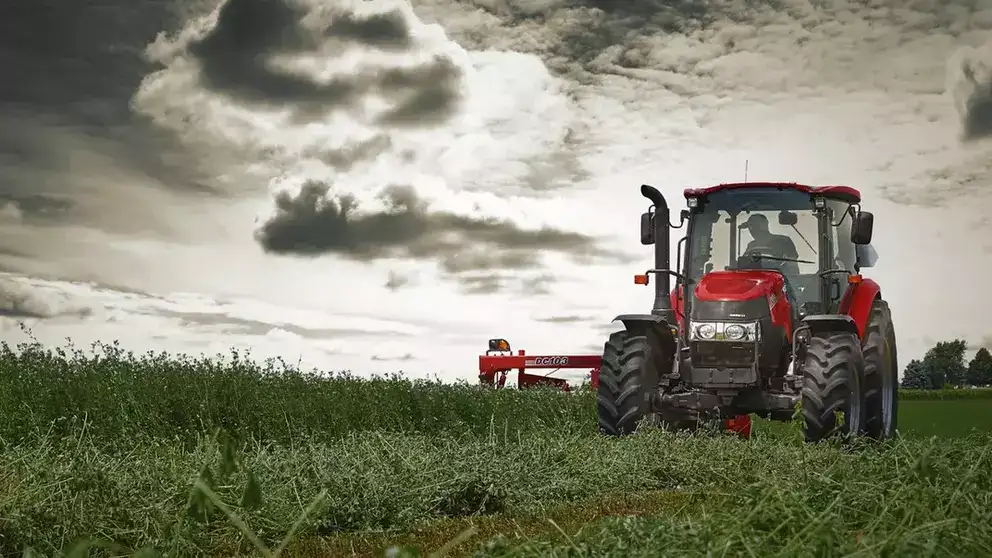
pixel 769 312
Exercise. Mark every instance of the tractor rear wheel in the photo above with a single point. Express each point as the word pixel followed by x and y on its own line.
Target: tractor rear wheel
pixel 881 373
pixel 628 375
pixel 833 372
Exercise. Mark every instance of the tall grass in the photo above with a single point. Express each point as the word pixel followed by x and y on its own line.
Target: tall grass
pixel 193 456
pixel 122 396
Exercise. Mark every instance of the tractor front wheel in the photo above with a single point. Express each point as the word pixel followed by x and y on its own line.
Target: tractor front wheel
pixel 628 375
pixel 833 373
pixel 881 374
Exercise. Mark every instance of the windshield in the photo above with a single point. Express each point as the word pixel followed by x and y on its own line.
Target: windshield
pixel 755 228
pixel 768 228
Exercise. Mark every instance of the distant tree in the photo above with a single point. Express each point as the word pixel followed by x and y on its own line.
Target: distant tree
pixel 915 376
pixel 945 363
pixel 980 369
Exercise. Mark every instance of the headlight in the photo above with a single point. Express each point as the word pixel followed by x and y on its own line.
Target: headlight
pixel 706 331
pixel 722 331
pixel 735 332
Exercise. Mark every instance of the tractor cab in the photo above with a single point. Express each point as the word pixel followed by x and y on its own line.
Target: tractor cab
pixel 749 245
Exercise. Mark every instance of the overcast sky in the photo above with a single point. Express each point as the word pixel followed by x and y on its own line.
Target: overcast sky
pixel 375 186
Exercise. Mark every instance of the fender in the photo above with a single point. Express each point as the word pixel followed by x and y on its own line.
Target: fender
pixel 639 324
pixel 824 323
pixel 857 302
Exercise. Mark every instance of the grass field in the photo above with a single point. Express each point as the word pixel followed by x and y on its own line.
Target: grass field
pixel 178 456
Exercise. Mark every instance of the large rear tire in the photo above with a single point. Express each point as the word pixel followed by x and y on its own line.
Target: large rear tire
pixel 833 374
pixel 628 375
pixel 881 374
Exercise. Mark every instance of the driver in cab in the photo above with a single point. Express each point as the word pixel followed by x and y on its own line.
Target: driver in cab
pixel 768 244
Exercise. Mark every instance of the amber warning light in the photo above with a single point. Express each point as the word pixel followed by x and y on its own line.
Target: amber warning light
pixel 641 279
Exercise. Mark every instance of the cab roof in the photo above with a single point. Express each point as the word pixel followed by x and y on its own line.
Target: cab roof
pixel 845 193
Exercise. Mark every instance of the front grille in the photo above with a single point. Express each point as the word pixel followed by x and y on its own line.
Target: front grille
pixel 722 354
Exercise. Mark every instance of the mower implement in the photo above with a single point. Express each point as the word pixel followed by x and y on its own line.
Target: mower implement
pixel 499 360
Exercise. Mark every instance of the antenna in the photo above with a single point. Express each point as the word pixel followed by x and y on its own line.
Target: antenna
pixel 745 169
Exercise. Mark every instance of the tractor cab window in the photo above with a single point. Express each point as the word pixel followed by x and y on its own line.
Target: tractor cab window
pixel 841 217
pixel 765 232
pixel 757 228
pixel 710 243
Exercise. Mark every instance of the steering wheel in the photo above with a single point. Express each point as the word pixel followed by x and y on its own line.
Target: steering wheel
pixel 753 256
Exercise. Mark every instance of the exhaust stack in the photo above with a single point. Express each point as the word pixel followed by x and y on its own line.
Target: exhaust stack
pixel 663 281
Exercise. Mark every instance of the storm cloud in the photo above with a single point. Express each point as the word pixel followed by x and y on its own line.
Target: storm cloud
pixel 315 222
pixel 375 129
pixel 970 83
pixel 20 301
pixel 273 52
pixel 70 146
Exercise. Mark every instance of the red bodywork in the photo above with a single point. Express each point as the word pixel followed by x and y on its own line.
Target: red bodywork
pixel 734 286
pixel 857 301
pixel 845 193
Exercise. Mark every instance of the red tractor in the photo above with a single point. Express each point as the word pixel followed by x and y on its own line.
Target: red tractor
pixel 769 310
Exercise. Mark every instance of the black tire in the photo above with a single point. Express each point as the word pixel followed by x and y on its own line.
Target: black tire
pixel 833 375
pixel 881 374
pixel 627 376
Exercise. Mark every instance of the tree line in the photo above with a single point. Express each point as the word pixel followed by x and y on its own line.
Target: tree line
pixel 944 366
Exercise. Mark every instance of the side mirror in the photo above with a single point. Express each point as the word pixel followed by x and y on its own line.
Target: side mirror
pixel 647 228
pixel 867 256
pixel 861 227
pixel 787 218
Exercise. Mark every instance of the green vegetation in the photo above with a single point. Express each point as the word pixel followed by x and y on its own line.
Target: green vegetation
pixel 944 367
pixel 186 456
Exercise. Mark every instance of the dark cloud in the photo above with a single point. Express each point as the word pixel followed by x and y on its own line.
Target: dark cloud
pixel 235 324
pixel 404 358
pixel 571 319
pixel 314 222
pixel 539 285
pixel 33 206
pixel 493 283
pixel 67 73
pixel 71 149
pixel 79 59
pixel 573 35
pixel 237 59
pixel 972 88
pixel 21 302
pixel 482 284
pixel 694 46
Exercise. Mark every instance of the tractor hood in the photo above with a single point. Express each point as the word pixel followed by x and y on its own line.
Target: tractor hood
pixel 731 286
